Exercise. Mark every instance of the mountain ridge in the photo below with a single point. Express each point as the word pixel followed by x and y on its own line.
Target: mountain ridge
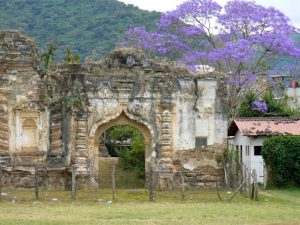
pixel 90 28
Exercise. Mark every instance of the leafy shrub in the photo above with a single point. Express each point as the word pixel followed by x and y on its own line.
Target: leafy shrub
pixel 266 106
pixel 246 109
pixel 131 158
pixel 282 157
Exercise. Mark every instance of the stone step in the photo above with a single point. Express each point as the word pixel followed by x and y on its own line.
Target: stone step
pixel 57 143
pixel 56 149
pixel 55 126
pixel 4 147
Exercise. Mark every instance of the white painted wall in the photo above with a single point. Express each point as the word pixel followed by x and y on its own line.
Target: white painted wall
pixel 206 109
pixel 250 161
pixel 294 97
pixel 211 121
pixel 184 125
pixel 203 119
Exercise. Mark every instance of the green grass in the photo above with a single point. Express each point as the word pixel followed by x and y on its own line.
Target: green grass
pixel 125 179
pixel 132 207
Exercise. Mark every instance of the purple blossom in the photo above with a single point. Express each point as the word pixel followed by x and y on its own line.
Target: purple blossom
pixel 259 106
pixel 273 84
pixel 239 40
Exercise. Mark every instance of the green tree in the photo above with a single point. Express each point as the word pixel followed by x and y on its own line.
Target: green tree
pixel 132 158
pixel 91 28
pixel 282 157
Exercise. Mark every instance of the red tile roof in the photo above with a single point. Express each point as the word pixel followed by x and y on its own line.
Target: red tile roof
pixel 265 126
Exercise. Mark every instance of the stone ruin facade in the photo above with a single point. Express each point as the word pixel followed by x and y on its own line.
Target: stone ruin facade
pixel 54 118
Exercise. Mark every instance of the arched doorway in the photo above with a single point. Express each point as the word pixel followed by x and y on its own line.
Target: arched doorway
pixel 122 146
pixel 101 155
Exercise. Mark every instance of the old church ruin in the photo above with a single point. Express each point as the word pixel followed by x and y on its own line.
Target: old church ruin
pixel 54 118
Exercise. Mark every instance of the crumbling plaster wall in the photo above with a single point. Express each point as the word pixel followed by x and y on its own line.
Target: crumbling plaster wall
pixel 24 121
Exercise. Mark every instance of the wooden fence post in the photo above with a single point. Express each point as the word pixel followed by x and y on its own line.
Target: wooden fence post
pixel 217 188
pixel 182 186
pixel 265 177
pixel 254 192
pixel 36 182
pixel 113 176
pixel 0 181
pixel 74 186
pixel 151 184
pixel 242 184
pixel 225 176
pixel 243 176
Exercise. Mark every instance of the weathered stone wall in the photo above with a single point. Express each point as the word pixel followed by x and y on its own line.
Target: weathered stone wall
pixel 181 116
pixel 24 113
pixel 200 166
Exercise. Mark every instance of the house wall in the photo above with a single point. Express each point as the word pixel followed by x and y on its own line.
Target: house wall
pixel 249 160
pixel 294 97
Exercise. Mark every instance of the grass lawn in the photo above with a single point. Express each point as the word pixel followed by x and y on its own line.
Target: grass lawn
pixel 132 207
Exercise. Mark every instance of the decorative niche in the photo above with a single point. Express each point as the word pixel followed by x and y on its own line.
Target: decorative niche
pixel 29 135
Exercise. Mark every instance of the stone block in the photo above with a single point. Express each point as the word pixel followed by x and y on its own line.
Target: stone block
pixel 200 184
pixel 191 174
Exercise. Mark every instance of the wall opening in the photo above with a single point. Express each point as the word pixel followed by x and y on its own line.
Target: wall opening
pixel 109 150
pixel 257 150
pixel 29 136
pixel 123 146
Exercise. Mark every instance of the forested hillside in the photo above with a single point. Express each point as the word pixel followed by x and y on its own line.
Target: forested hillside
pixel 88 27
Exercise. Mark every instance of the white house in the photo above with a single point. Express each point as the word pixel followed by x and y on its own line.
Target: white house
pixel 246 135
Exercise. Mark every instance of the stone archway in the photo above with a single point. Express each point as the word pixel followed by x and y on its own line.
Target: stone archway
pixel 100 128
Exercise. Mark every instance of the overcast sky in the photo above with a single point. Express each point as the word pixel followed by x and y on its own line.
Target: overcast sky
pixel 290 7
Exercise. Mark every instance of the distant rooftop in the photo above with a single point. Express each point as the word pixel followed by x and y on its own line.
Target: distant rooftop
pixel 261 126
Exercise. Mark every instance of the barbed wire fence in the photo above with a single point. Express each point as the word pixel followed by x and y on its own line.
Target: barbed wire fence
pixel 0 182
pixel 243 180
pixel 179 184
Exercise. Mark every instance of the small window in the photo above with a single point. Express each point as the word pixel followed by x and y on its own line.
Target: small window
pixel 201 142
pixel 257 150
pixel 241 153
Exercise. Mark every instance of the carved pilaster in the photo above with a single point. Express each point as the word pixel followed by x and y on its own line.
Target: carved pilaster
pixel 167 87
pixel 81 149
pixel 4 125
pixel 165 142
pixel 56 142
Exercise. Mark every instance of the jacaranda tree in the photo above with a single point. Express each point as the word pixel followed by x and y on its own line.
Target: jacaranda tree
pixel 239 40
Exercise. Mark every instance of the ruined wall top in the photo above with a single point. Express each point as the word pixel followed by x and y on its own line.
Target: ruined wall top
pixel 17 51
pixel 20 53
pixel 19 70
pixel 131 62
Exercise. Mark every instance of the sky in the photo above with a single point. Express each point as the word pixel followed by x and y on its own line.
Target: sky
pixel 291 8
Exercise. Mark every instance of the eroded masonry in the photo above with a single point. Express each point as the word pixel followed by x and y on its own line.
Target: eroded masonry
pixel 54 118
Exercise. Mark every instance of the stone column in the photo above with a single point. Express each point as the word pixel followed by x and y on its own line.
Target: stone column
pixel 165 161
pixel 56 141
pixel 4 128
pixel 165 142
pixel 81 153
